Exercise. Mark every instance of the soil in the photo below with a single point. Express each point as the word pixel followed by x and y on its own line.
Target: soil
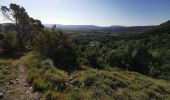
pixel 17 88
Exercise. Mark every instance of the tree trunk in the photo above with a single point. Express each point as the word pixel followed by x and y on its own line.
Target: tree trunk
pixel 19 39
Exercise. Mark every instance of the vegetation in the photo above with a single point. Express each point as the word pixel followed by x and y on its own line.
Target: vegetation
pixel 1 36
pixel 25 26
pixel 147 53
pixel 8 43
pixel 57 46
pixel 87 66
pixel 90 83
pixel 6 75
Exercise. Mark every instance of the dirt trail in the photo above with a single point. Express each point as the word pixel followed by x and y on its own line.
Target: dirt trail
pixel 18 88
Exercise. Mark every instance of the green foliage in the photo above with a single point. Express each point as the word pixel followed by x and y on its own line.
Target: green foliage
pixel 51 95
pixel 158 38
pixel 147 54
pixel 25 26
pixel 92 83
pixel 56 45
pixel 161 69
pixel 126 56
pixel 74 95
pixel 93 57
pixel 140 60
pixel 133 53
pixel 6 75
pixel 40 84
pixel 44 76
pixel 8 43
pixel 1 36
pixel 121 84
pixel 117 58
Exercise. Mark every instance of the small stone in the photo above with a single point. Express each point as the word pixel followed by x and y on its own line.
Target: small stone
pixel 30 88
pixel 73 81
pixel 36 98
pixel 71 78
pixel 76 88
pixel 1 95
pixel 27 91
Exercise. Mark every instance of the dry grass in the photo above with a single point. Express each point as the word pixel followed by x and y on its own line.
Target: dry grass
pixel 93 84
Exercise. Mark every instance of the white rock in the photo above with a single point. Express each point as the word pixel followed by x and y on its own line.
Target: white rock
pixel 1 95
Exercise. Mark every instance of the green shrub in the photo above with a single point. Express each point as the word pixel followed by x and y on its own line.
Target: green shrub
pixel 8 43
pixel 74 95
pixel 132 58
pixel 97 84
pixel 51 95
pixel 56 77
pixel 161 65
pixel 1 36
pixel 92 56
pixel 57 46
pixel 40 84
pixel 43 76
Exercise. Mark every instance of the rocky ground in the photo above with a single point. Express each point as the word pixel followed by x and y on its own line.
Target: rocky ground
pixel 14 85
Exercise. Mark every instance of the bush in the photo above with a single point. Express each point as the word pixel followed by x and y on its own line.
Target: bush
pixel 133 58
pixel 140 60
pixel 1 36
pixel 40 84
pixel 116 58
pixel 161 64
pixel 93 59
pixel 92 84
pixel 75 95
pixel 51 95
pixel 92 56
pixel 57 46
pixel 8 43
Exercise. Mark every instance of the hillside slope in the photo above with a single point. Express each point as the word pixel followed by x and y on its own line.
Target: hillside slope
pixel 158 37
pixel 90 84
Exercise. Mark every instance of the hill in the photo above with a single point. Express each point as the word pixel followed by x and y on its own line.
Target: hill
pixel 90 84
pixel 35 75
pixel 38 63
pixel 45 82
pixel 93 28
pixel 158 37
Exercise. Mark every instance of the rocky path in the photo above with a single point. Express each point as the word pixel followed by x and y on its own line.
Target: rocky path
pixel 18 88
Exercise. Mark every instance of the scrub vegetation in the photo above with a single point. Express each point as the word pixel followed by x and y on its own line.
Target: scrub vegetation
pixel 43 63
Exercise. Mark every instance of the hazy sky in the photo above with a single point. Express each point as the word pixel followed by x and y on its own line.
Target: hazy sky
pixel 96 12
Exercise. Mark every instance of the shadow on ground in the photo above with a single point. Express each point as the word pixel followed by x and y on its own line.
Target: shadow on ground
pixel 14 55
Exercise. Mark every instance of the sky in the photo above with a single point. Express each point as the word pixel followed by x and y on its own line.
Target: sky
pixel 96 12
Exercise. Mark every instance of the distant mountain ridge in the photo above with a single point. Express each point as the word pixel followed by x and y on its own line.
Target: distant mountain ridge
pixel 74 27
pixel 93 28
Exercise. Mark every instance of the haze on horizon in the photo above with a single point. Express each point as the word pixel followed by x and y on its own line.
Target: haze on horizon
pixel 96 12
